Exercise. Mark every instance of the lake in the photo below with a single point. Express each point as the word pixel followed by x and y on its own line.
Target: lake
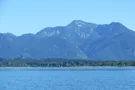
pixel 67 78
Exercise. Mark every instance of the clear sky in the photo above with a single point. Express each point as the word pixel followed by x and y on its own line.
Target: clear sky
pixel 30 16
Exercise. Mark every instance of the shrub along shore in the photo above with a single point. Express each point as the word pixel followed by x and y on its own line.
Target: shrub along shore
pixel 28 62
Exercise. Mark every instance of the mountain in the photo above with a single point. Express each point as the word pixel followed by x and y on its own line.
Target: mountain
pixel 116 42
pixel 76 32
pixel 31 46
pixel 77 40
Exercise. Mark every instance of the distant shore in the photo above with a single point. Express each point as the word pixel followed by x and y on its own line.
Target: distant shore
pixel 63 63
pixel 79 67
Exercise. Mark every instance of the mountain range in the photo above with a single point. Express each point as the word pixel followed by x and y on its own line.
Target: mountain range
pixel 77 40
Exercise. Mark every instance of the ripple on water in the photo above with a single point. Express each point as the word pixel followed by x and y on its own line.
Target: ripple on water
pixel 68 80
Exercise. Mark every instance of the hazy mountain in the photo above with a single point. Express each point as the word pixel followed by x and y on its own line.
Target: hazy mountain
pixel 31 46
pixel 78 39
pixel 76 32
pixel 116 42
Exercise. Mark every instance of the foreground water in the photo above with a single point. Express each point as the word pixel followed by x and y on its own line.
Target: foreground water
pixel 67 79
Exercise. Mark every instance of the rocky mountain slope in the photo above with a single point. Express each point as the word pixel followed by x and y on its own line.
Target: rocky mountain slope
pixel 77 40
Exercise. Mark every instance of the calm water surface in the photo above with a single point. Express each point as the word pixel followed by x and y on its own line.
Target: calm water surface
pixel 67 79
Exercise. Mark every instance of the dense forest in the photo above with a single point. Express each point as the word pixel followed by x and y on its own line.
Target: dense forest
pixel 28 62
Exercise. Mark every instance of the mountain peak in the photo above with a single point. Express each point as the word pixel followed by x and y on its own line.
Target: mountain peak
pixel 9 34
pixel 80 23
pixel 116 23
pixel 118 26
pixel 77 23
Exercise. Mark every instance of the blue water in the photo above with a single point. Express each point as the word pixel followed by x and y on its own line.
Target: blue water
pixel 67 79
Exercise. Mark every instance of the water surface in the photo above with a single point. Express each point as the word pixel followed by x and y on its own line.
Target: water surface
pixel 67 79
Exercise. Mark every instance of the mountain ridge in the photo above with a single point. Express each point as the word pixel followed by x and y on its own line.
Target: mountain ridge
pixel 78 40
pixel 66 25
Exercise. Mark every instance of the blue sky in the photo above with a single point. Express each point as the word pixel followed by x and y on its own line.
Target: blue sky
pixel 30 16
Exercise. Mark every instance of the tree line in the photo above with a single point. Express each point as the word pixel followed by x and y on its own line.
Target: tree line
pixel 59 62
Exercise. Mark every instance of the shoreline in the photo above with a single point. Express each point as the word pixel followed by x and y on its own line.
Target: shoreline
pixel 80 67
